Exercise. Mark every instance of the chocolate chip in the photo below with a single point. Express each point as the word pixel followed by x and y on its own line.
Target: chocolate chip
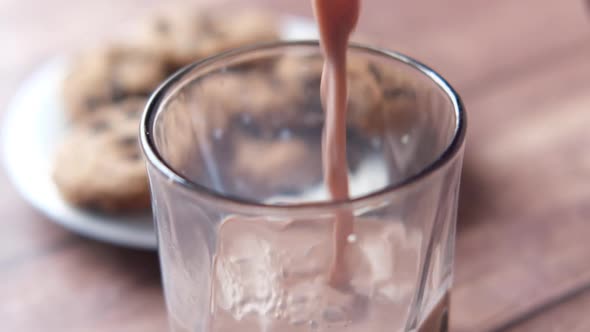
pixel 100 126
pixel 375 72
pixel 132 112
pixel 134 156
pixel 128 141
pixel 398 93
pixel 91 103
pixel 117 92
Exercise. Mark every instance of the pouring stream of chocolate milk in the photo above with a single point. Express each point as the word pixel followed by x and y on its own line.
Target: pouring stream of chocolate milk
pixel 336 19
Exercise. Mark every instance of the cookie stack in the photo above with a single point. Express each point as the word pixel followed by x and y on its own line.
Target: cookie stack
pixel 99 164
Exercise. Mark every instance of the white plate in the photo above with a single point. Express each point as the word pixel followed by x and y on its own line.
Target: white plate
pixel 34 123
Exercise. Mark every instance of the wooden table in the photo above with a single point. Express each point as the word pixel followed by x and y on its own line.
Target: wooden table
pixel 523 245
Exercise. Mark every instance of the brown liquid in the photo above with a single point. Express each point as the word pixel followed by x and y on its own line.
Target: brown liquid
pixel 336 19
pixel 270 276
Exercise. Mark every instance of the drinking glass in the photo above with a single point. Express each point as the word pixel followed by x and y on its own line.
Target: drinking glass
pixel 244 224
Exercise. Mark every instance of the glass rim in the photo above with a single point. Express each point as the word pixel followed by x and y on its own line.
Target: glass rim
pixel 160 95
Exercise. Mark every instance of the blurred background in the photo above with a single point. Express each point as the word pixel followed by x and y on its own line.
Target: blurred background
pixel 523 258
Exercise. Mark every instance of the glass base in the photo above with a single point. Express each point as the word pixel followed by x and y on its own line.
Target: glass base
pixel 437 321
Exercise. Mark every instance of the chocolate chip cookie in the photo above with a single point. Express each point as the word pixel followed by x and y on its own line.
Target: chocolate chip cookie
pixel 303 75
pixel 399 104
pixel 110 74
pixel 262 168
pixel 365 94
pixel 183 36
pixel 99 164
pixel 244 27
pixel 248 102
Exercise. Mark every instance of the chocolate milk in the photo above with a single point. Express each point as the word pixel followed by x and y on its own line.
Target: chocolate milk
pixel 336 274
pixel 336 19
pixel 272 276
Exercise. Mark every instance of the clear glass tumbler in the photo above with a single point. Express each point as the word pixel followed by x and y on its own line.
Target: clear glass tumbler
pixel 233 149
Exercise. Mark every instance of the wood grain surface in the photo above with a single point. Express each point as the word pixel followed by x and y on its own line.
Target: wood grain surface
pixel 523 248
